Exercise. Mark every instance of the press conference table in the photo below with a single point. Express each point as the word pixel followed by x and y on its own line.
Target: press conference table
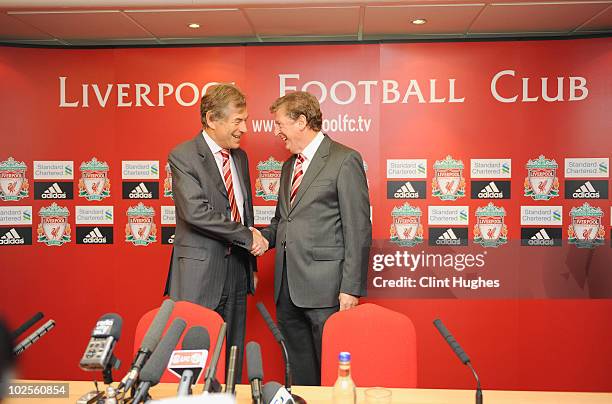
pixel 320 395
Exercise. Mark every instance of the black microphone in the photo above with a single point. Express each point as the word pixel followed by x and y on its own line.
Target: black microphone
pixel 230 383
pixel 148 345
pixel 24 327
pixel 154 368
pixel 211 384
pixel 197 338
pixel 460 354
pixel 32 338
pixel 99 352
pixel 276 393
pixel 254 370
pixel 278 336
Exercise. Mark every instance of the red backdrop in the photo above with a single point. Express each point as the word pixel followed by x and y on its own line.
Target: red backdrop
pixel 534 344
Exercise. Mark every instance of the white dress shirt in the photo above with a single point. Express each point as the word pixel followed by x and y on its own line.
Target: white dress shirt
pixel 216 151
pixel 309 151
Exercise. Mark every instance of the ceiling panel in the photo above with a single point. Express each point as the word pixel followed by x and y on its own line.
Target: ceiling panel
pixel 535 17
pixel 107 24
pixel 441 19
pixel 174 23
pixel 324 21
pixel 601 22
pixel 13 28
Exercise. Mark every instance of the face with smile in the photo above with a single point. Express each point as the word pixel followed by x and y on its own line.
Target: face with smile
pixel 291 131
pixel 228 131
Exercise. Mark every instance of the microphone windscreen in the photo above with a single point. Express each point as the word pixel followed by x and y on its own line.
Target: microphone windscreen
pixel 269 390
pixel 109 325
pixel 154 368
pixel 278 336
pixel 451 341
pixel 254 366
pixel 35 318
pixel 271 394
pixel 196 338
pixel 154 333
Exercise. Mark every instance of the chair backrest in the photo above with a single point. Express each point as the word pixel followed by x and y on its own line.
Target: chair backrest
pixel 193 315
pixel 382 344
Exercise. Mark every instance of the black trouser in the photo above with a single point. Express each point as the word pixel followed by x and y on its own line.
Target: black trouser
pixel 232 306
pixel 303 331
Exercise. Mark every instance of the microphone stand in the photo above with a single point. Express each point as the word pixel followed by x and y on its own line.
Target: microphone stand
pixel 107 373
pixel 478 389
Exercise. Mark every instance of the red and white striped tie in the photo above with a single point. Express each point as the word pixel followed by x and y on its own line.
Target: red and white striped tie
pixel 298 173
pixel 227 177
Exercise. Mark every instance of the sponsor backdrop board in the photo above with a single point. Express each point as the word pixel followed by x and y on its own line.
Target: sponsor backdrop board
pixel 489 172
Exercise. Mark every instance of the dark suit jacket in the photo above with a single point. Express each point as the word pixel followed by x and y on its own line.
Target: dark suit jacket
pixel 326 234
pixel 205 232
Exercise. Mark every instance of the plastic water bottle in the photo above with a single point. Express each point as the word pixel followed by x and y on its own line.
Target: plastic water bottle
pixel 344 388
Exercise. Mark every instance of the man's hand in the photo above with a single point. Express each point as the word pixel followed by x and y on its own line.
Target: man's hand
pixel 260 244
pixel 347 301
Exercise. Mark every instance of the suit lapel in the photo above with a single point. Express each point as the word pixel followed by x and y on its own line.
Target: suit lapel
pixel 316 165
pixel 285 186
pixel 240 171
pixel 210 164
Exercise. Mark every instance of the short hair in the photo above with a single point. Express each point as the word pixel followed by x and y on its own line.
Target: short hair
pixel 217 99
pixel 301 103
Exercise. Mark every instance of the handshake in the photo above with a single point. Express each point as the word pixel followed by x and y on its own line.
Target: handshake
pixel 260 244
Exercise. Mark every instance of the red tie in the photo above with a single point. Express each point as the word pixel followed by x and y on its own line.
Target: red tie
pixel 298 173
pixel 227 177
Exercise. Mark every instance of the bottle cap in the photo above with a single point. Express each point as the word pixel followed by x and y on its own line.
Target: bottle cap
pixel 344 357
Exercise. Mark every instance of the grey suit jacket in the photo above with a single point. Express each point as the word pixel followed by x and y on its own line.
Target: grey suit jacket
pixel 326 234
pixel 205 233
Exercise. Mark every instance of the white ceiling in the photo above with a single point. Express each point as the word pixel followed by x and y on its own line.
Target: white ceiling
pixel 155 22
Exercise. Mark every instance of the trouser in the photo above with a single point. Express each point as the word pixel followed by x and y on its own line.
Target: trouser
pixel 232 307
pixel 303 331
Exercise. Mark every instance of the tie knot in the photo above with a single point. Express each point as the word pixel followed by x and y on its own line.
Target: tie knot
pixel 224 154
pixel 300 158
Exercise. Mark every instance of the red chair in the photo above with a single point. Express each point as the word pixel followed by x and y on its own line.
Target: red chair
pixel 193 315
pixel 382 344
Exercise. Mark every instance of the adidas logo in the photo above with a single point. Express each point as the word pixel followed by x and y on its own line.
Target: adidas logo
pixel 490 192
pixel 94 237
pixel 54 192
pixel 406 191
pixel 448 238
pixel 141 192
pixel 541 238
pixel 11 237
pixel 586 191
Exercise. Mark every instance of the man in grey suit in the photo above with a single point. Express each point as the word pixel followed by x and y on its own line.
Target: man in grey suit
pixel 321 230
pixel 212 260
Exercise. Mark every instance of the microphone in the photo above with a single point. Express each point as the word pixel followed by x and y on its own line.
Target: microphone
pixel 197 341
pixel 32 338
pixel 460 354
pixel 276 393
pixel 254 370
pixel 280 338
pixel 211 385
pixel 230 383
pixel 99 352
pixel 23 328
pixel 154 368
pixel 149 342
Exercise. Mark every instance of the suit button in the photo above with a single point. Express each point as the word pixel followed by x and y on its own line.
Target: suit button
pixel 290 219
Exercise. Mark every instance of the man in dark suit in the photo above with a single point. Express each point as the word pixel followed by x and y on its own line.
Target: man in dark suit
pixel 212 260
pixel 321 230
